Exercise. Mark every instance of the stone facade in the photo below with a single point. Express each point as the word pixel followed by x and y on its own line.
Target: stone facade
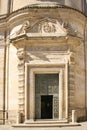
pixel 45 41
pixel 9 6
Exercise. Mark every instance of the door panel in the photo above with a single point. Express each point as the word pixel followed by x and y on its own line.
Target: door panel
pixel 46 86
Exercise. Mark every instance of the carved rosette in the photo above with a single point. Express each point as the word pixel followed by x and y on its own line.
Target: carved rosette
pixel 21 69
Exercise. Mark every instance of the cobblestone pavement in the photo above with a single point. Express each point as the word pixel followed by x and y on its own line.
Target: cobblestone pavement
pixel 82 127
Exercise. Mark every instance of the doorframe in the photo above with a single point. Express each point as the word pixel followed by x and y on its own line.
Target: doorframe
pixel 30 72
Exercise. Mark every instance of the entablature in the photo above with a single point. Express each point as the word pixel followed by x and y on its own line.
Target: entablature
pixel 63 41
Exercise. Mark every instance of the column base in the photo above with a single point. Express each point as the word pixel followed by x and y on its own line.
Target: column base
pixel 30 121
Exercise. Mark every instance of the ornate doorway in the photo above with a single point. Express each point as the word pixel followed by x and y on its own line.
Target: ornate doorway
pixel 46 82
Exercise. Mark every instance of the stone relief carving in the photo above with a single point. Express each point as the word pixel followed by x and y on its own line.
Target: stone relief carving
pixel 48 27
pixel 51 27
pixel 71 57
pixel 45 27
pixel 22 30
pixel 19 29
pixel 21 53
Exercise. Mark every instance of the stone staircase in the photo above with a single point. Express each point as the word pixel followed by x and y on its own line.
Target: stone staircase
pixel 43 124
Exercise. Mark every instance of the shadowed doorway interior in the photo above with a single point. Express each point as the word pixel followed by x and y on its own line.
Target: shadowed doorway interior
pixel 46 107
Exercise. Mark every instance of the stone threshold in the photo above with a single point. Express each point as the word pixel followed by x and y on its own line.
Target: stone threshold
pixel 45 121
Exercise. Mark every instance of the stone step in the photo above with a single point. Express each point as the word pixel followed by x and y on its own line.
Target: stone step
pixel 35 126
pixel 46 121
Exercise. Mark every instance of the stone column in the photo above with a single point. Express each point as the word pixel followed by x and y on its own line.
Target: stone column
pixel 21 69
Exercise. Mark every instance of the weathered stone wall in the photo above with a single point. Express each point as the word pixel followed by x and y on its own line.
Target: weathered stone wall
pixel 12 85
pixel 74 4
pixel 29 2
pixel 3 7
pixel 15 5
pixel 74 43
pixel 70 3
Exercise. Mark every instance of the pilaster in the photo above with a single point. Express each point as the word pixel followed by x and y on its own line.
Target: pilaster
pixel 71 85
pixel 21 86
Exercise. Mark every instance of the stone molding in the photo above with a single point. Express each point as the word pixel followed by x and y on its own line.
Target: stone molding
pixel 32 70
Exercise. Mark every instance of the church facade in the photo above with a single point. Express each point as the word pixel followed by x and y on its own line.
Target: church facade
pixel 43 68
